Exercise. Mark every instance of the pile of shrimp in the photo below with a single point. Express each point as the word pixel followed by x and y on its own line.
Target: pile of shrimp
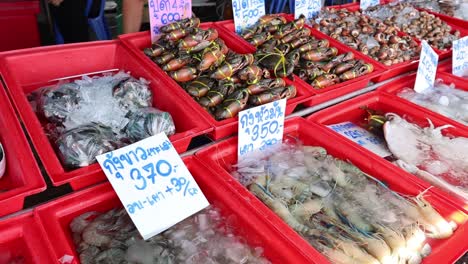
pixel 347 215
pixel 428 154
pixel 443 99
pixel 112 237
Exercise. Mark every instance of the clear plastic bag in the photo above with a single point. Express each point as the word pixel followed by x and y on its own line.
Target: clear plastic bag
pixel 146 122
pixel 94 115
pixel 56 103
pixel 133 93
pixel 78 147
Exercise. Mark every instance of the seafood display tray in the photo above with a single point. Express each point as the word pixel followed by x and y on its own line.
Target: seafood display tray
pixel 396 86
pixel 136 42
pixel 392 70
pixel 57 215
pixel 22 176
pixel 25 71
pixel 23 240
pixel 221 156
pixel 460 23
pixel 327 93
pixel 462 27
pixel 351 111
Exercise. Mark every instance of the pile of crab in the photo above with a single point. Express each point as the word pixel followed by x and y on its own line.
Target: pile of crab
pixel 220 80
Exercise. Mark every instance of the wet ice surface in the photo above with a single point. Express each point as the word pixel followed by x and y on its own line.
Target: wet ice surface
pixel 204 238
pixel 94 115
pixel 443 99
pixel 344 213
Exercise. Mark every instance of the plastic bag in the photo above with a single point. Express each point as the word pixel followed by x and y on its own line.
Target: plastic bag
pixel 78 147
pixel 55 104
pixel 133 93
pixel 146 122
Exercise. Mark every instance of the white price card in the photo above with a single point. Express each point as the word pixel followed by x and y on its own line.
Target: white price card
pixel 246 13
pixel 308 8
pixel 364 4
pixel 427 67
pixel 460 57
pixel 261 127
pixel 153 184
pixel 164 12
pixel 362 137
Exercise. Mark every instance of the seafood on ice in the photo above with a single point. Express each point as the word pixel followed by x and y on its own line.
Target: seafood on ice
pixel 428 154
pixel 443 99
pixel 346 214
pixel 205 238
pixel 94 115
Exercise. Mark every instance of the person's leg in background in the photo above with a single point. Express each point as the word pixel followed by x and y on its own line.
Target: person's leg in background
pixel 132 12
pixel 71 20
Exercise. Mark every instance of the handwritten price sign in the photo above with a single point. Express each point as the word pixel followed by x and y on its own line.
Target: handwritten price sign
pixel 460 57
pixel 261 127
pixel 308 8
pixel 427 67
pixel 364 4
pixel 163 12
pixel 153 184
pixel 362 137
pixel 247 12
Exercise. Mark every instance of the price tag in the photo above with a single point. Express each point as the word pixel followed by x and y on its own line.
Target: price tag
pixel 308 8
pixel 364 4
pixel 261 127
pixel 427 67
pixel 155 187
pixel 460 57
pixel 362 137
pixel 247 12
pixel 163 12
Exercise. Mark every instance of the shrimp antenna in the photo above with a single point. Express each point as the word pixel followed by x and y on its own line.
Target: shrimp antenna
pixel 425 191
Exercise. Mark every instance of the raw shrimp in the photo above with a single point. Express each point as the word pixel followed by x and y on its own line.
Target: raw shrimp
pixel 443 229
pixel 306 209
pixel 348 215
pixel 280 209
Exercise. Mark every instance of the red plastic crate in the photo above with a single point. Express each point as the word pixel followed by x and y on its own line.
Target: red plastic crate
pixel 400 68
pixel 22 176
pixel 21 237
pixel 351 111
pixel 18 24
pixel 28 70
pixel 455 25
pixel 396 86
pixel 221 156
pixel 57 215
pixel 136 42
pixel 389 71
pixel 445 66
pixel 327 93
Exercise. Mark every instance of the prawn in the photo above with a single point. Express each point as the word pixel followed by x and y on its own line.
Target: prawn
pixel 280 209
pixel 305 210
pixel 356 253
pixel 442 229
